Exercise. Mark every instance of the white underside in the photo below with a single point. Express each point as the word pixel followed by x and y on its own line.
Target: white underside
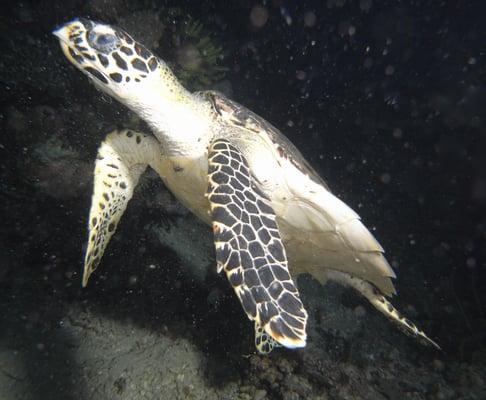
pixel 319 230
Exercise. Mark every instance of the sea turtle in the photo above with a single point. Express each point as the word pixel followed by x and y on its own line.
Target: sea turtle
pixel 271 213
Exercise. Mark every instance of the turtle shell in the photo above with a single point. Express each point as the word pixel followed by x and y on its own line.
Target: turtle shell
pixel 241 117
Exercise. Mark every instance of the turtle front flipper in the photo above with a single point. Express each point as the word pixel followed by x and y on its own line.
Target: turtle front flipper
pixel 122 158
pixel 263 341
pixel 250 250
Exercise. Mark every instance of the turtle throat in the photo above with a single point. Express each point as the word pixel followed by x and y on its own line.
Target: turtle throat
pixel 178 119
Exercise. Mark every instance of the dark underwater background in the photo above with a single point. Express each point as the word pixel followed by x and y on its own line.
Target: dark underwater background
pixel 386 99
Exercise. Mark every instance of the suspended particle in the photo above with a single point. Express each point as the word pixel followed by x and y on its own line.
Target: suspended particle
pixel 368 62
pixel 365 5
pixel 397 133
pixel 300 75
pixel 385 178
pixel 310 19
pixel 258 16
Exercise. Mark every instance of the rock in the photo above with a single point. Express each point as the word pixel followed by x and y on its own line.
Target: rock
pixel 259 394
pixel 290 396
pixel 191 240
pixel 16 120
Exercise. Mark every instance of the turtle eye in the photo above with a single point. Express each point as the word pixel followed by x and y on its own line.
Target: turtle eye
pixel 103 42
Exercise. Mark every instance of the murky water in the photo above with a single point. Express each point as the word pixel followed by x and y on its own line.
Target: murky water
pixel 385 100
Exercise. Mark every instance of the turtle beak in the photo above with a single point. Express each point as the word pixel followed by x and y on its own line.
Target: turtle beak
pixel 66 33
pixel 60 32
pixel 69 30
pixel 63 31
pixel 63 37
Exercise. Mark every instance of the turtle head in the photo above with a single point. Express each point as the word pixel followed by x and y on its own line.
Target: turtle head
pixel 116 63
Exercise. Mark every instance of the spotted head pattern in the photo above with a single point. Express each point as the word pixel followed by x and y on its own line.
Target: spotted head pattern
pixel 106 54
pixel 115 62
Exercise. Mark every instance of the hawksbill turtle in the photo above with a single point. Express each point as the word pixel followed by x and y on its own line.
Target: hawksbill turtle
pixel 272 215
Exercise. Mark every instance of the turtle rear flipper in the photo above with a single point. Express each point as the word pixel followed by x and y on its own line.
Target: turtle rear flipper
pixel 380 302
pixel 249 248
pixel 122 158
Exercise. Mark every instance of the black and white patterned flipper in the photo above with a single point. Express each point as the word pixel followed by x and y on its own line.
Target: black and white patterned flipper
pixel 122 158
pixel 249 247
pixel 264 343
